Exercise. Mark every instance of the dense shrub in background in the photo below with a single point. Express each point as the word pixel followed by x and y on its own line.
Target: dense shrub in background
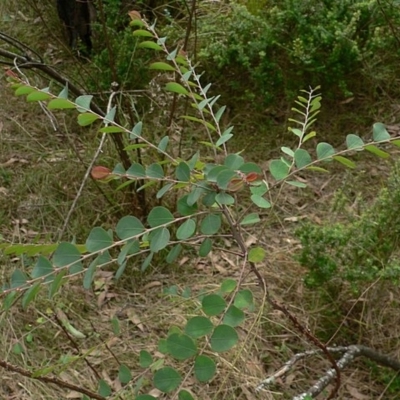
pixel 287 44
pixel 361 250
pixel 116 57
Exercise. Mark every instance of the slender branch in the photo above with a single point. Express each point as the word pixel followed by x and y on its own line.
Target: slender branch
pixel 313 339
pixel 56 381
pixel 26 62
pixel 350 354
pixel 61 319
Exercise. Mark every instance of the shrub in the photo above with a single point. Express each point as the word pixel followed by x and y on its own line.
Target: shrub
pixel 361 250
pixel 203 212
pixel 296 43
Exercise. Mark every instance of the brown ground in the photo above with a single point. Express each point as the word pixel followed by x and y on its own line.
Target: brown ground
pixel 40 173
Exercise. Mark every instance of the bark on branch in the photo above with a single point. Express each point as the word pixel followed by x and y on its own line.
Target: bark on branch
pixel 349 354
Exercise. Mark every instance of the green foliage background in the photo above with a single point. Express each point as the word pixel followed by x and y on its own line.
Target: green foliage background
pixel 283 45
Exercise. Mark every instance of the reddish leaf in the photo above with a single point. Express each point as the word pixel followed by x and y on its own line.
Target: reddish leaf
pixel 100 172
pixel 134 15
pixel 235 185
pixel 252 176
pixel 10 73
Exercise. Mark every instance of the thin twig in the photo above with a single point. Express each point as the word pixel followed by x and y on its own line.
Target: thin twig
pixel 87 174
pixel 45 379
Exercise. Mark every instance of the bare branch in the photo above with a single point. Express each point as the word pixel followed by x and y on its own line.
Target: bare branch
pixel 56 381
pixel 350 354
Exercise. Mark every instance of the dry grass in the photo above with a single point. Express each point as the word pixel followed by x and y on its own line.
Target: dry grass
pixel 40 172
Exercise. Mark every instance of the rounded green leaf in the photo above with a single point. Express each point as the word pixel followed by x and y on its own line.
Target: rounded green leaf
pixel 161 66
pixel 379 132
pixel 181 346
pixel 195 194
pixel 149 45
pixel 83 102
pixel 162 346
pixel 233 161
pixel 147 262
pixel 182 172
pixel 164 190
pixel 228 285
pixel 66 254
pixel 86 119
pixel 104 388
pixel 212 174
pixel 30 295
pixel 136 130
pixel 249 167
pixel 128 227
pixel 224 178
pixel 259 190
pixel 243 299
pixel 325 151
pixel 354 142
pixel 233 316
pixel 98 240
pixel 209 199
pixel 23 90
pixel 18 279
pixel 250 219
pixel 89 274
pixel 155 171
pixel 256 254
pixel 213 304
pixel 223 338
pixel 186 230
pixel 42 267
pixel 60 104
pixel 57 283
pixel 159 216
pixel 204 368
pixel 226 135
pixel 302 158
pixel 136 170
pixel 184 209
pixel 279 170
pixel 378 152
pixel 124 374
pixel 174 253
pixel 211 224
pixel 159 239
pixel 145 359
pixel 198 326
pixel 167 379
pixel 142 33
pixel 38 95
pixel 185 395
pixel 288 151
pixel 205 247
pixel 260 201
pixel 224 199
pixel 345 161
pixel 175 88
pixel 18 349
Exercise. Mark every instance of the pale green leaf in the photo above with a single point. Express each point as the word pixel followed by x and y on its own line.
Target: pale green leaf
pixel 325 151
pixel 279 170
pixel 379 132
pixel 354 142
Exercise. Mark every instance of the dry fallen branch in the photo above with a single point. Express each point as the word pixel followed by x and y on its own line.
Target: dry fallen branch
pixel 350 353
pixel 53 380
